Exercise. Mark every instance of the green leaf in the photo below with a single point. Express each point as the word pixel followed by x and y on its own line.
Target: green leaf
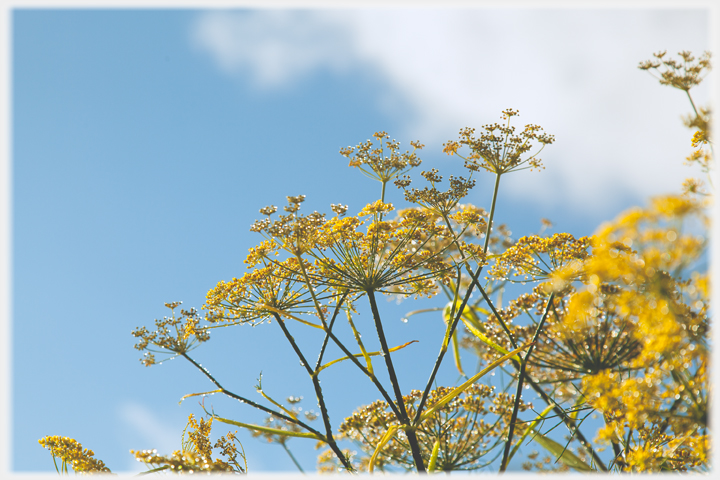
pixel 458 390
pixel 432 465
pixel 561 453
pixel 667 455
pixel 383 441
pixel 200 393
pixel 275 431
pixel 529 429
pixel 364 354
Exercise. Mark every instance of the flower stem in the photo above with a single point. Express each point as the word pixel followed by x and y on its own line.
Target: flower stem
pixel 569 422
pixel 521 378
pixel 412 438
pixel 250 402
pixel 329 329
pixel 370 374
pixel 316 385
pixel 292 457
pixel 692 103
pixel 460 310
pixel 492 212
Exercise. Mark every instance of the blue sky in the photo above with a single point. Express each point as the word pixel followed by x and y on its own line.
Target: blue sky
pixel 145 141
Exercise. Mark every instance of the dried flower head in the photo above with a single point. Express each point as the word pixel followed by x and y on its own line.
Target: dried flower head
pixel 176 334
pixel 683 74
pixel 500 149
pixel 432 198
pixel 384 162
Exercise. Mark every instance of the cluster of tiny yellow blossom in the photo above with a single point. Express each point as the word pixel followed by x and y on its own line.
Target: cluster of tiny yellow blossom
pixel 71 454
pixel 558 258
pixel 196 455
pixel 657 452
pixel 467 429
pixel 646 254
pixel 327 258
pixel 631 343
pixel 254 297
pixel 619 321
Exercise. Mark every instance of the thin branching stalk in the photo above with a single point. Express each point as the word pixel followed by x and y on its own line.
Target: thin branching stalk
pixel 329 329
pixel 370 374
pixel 492 212
pixel 521 378
pixel 443 349
pixel 569 422
pixel 265 409
pixel 292 457
pixel 318 393
pixel 410 432
pixel 495 312
pixel 460 310
pixel 310 288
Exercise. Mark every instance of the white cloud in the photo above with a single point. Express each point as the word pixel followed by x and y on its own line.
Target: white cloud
pixel 155 433
pixel 571 71
pixel 273 48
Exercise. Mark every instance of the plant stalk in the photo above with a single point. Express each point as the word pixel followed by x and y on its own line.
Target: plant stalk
pixel 251 403
pixel 460 310
pixel 521 378
pixel 410 432
pixel 318 394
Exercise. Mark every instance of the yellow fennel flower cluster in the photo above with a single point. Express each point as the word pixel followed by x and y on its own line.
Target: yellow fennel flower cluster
pixel 196 453
pixel 71 454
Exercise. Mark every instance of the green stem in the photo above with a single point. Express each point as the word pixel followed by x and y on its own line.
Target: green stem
pixel 521 378
pixel 618 460
pixel 569 422
pixel 492 212
pixel 329 329
pixel 250 402
pixel 318 394
pixel 370 374
pixel 311 290
pixel 410 432
pixel 692 103
pixel 495 312
pixel 292 457
pixel 458 313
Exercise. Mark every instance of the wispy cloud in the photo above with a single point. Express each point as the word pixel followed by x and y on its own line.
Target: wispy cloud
pixel 571 71
pixel 274 48
pixel 155 433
